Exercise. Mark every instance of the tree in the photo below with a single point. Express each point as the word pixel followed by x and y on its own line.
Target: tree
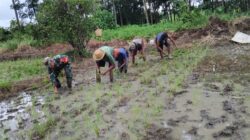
pixel 16 6
pixel 146 11
pixel 30 9
pixel 104 19
pixel 68 19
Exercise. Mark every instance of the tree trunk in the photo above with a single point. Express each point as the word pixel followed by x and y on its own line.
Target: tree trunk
pixel 121 20
pixel 150 12
pixel 17 18
pixel 224 5
pixel 189 5
pixel 146 11
pixel 114 12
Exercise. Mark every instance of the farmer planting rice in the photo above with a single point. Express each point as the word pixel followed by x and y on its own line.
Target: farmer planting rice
pixel 101 56
pixel 137 44
pixel 121 55
pixel 162 40
pixel 55 65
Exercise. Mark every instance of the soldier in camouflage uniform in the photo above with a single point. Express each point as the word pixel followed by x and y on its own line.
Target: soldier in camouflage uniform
pixel 55 65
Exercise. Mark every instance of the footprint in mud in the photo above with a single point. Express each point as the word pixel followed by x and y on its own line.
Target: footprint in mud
pixel 11 110
pixel 212 87
pixel 179 92
pixel 193 79
pixel 204 114
pixel 157 133
pixel 234 130
pixel 213 121
pixel 228 107
pixel 182 119
pixel 228 88
pixel 67 133
pixel 193 131
pixel 124 136
pixel 54 109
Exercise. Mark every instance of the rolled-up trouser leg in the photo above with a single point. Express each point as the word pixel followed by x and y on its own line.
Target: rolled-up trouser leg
pixel 69 75
pixel 54 80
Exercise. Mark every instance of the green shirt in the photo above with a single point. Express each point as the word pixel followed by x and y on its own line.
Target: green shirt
pixel 108 54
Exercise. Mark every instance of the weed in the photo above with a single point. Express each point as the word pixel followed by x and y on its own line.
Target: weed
pixel 6 86
pixel 40 130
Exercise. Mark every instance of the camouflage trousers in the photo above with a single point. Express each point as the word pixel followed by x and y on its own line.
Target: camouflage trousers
pixel 69 76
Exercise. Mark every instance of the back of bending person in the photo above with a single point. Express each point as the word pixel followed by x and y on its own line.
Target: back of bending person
pixel 137 44
pixel 161 40
pixel 101 56
pixel 121 55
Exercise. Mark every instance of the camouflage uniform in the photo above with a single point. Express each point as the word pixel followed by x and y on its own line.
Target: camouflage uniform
pixel 60 62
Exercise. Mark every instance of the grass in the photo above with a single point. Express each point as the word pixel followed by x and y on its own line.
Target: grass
pixel 128 32
pixel 13 71
pixel 14 43
pixel 39 130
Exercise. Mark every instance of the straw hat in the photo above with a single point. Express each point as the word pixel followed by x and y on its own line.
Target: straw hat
pixel 98 55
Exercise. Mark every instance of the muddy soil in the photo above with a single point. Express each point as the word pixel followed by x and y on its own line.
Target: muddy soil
pixel 214 104
pixel 20 113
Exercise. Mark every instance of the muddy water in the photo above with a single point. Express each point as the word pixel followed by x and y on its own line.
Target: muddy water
pixel 18 113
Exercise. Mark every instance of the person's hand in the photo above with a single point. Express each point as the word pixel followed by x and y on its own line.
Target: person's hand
pixel 103 73
pixel 55 90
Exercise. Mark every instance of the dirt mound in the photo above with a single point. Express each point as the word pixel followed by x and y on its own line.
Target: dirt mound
pixel 241 24
pixel 215 28
pixel 26 51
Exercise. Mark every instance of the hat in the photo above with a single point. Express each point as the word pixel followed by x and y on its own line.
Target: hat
pixel 46 60
pixel 98 55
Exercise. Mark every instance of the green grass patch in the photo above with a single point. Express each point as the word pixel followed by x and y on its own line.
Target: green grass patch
pixel 12 71
pixel 128 32
pixel 39 130
pixel 13 44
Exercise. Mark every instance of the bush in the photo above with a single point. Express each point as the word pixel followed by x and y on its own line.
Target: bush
pixel 104 19
pixel 23 40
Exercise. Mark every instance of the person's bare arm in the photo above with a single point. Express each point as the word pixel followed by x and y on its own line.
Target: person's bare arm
pixel 109 69
pixel 172 40
pixel 158 47
pixel 98 68
pixel 124 62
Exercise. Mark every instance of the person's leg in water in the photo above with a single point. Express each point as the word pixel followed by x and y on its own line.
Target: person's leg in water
pixel 169 50
pixel 134 52
pixel 69 75
pixel 161 51
pixel 56 83
pixel 119 66
pixel 125 67
pixel 111 74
